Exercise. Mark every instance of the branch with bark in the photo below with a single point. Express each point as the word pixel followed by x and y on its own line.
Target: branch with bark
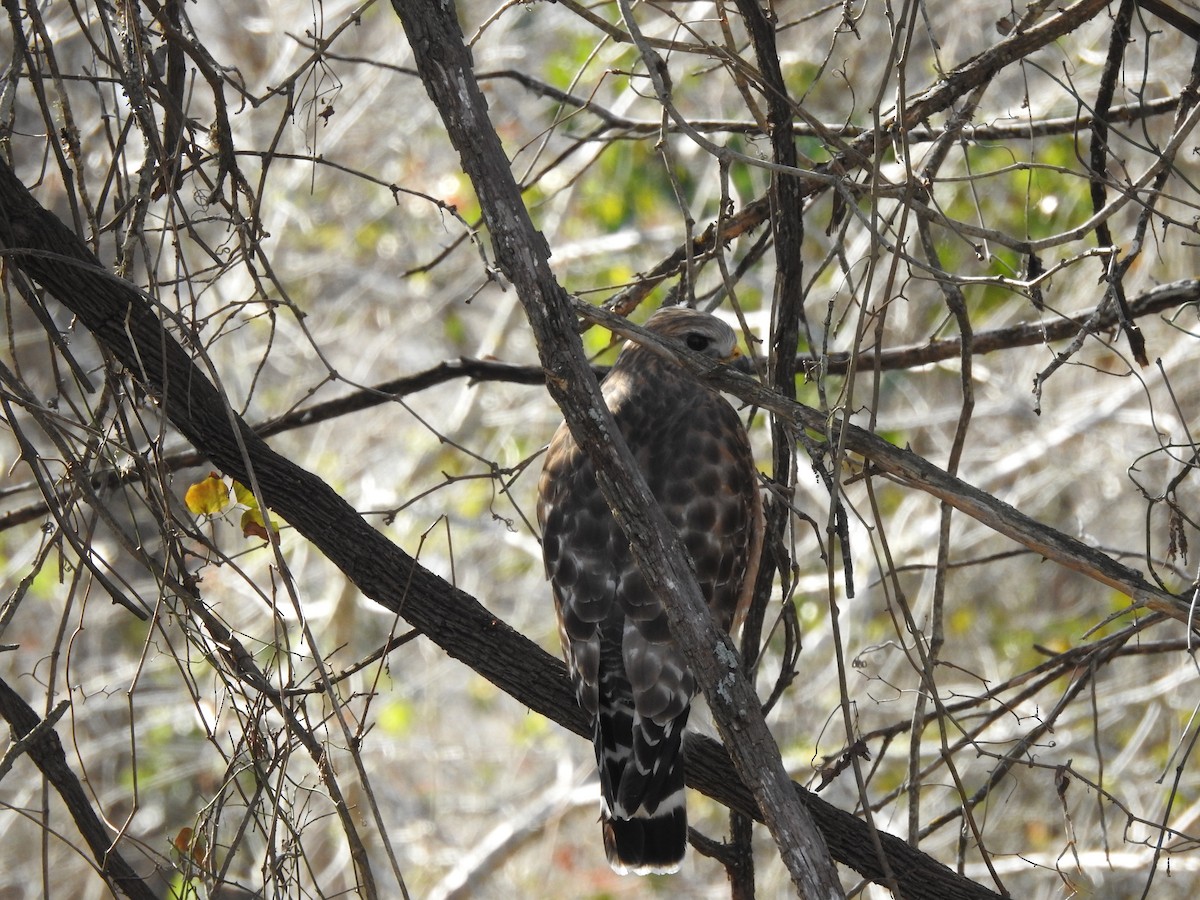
pixel 38 738
pixel 522 254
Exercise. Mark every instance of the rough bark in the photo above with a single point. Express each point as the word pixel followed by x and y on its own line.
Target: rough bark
pixel 447 71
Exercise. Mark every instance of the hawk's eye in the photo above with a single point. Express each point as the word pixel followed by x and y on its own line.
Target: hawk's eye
pixel 697 342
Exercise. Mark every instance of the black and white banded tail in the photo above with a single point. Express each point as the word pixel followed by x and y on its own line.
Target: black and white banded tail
pixel 643 812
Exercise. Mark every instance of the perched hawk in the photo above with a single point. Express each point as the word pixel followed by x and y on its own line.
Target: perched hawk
pixel 629 676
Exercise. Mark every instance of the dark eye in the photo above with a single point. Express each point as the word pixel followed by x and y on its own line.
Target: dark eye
pixel 697 342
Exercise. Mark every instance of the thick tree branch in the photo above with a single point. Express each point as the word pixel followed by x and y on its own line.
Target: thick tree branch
pixel 448 73
pixel 787 315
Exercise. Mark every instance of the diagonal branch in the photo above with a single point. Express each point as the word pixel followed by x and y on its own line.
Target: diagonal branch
pixel 46 751
pixel 908 468
pixel 521 252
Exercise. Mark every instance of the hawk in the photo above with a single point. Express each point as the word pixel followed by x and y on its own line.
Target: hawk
pixel 628 674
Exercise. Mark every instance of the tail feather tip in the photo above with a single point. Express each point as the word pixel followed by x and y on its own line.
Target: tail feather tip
pixel 646 846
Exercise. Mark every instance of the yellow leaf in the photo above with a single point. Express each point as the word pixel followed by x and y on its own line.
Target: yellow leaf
pixel 244 495
pixel 253 524
pixel 208 496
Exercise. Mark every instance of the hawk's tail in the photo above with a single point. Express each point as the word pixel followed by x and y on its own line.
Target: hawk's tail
pixel 644 813
pixel 650 844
